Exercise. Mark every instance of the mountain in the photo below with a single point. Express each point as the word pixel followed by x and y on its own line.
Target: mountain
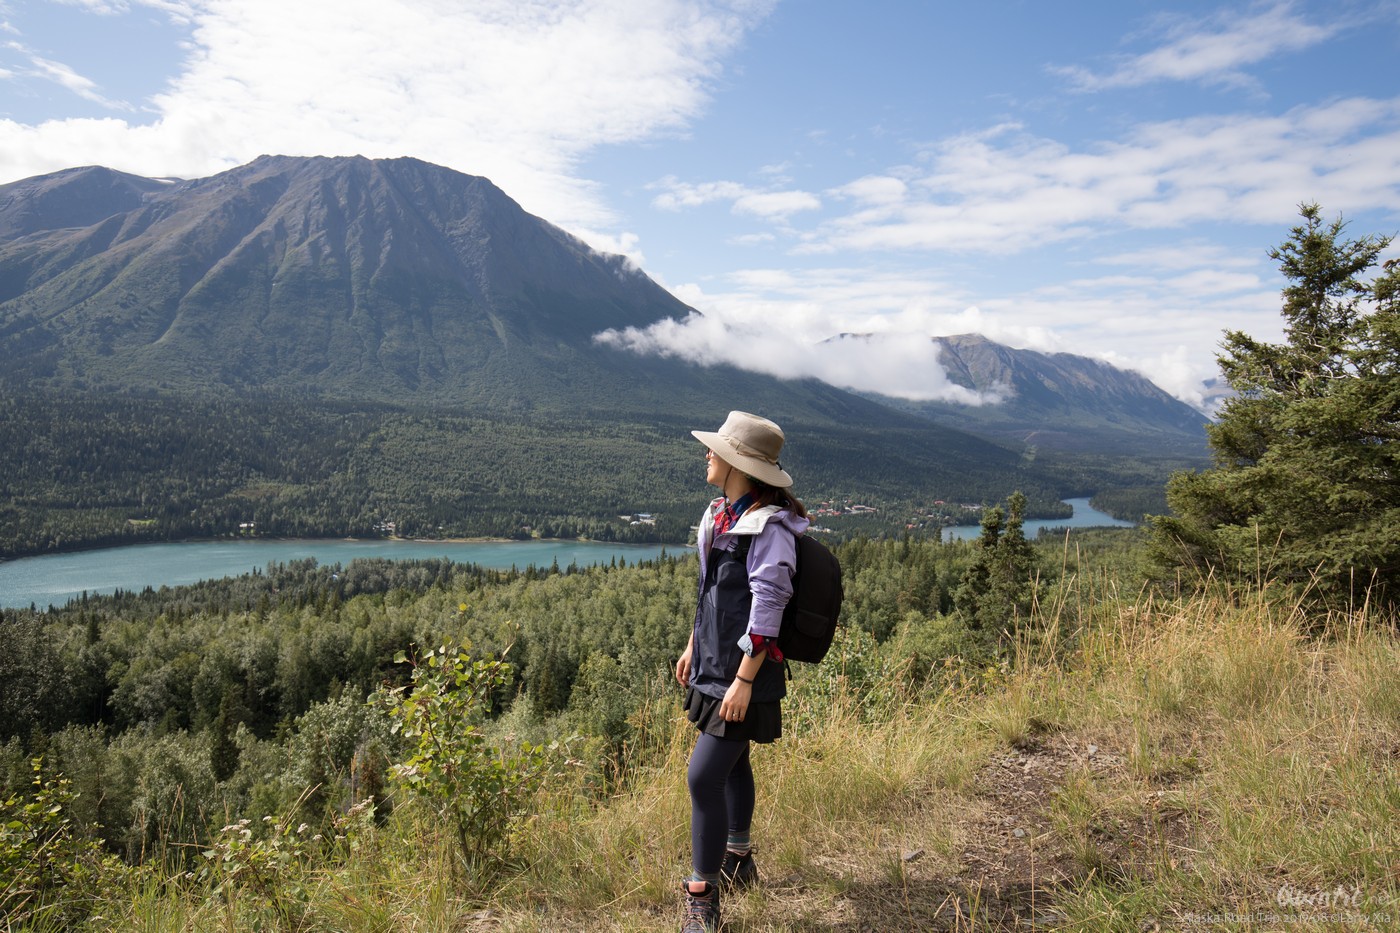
pixel 385 279
pixel 1059 401
pixel 399 281
pixel 424 296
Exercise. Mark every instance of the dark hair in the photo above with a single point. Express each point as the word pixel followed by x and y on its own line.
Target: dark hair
pixel 763 494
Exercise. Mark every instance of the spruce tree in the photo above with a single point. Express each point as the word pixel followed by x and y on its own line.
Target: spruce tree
pixel 223 750
pixel 999 588
pixel 1305 486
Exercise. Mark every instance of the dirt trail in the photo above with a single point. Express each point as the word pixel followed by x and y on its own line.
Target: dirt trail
pixel 1034 823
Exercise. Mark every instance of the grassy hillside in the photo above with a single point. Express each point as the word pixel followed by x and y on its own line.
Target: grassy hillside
pixel 1197 763
pixel 1223 761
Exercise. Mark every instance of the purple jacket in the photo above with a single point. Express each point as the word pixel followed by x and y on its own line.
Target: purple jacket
pixel 772 559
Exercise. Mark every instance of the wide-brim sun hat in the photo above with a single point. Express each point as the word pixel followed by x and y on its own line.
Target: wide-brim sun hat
pixel 751 445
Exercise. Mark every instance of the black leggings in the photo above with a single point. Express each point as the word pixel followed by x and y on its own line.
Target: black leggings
pixel 721 798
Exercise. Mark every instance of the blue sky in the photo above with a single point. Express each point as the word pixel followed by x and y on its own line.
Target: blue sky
pixel 1099 177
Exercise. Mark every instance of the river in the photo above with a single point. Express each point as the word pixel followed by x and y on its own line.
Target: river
pixel 53 579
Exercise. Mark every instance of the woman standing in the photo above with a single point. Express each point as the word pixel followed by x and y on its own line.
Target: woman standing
pixel 732 669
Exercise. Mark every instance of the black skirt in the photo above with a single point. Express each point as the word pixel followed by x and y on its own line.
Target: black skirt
pixel 762 722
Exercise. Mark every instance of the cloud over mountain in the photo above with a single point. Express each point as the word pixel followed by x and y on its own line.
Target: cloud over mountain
pixel 897 365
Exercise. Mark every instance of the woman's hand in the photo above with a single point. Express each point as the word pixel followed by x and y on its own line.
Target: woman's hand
pixel 683 666
pixel 736 701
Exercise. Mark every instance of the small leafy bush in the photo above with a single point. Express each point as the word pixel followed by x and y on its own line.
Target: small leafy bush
pixel 278 866
pixel 853 677
pixel 51 876
pixel 477 787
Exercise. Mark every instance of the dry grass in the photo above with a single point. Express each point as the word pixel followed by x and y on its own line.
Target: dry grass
pixel 1196 763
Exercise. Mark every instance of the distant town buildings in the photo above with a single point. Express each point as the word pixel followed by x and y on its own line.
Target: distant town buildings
pixel 843 508
pixel 940 514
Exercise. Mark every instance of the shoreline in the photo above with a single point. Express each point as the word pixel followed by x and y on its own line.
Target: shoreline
pixel 237 539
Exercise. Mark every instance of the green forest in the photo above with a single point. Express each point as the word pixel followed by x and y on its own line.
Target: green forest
pixel 89 470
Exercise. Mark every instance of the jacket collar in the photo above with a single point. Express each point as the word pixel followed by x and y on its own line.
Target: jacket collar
pixel 750 523
pixel 753 520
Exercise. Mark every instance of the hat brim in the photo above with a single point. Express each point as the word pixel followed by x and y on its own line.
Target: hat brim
pixel 761 470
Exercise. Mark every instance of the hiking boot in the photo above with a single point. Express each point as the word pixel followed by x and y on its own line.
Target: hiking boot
pixel 738 871
pixel 701 910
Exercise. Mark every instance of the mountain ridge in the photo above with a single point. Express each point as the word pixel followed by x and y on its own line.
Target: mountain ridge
pixel 1057 400
pixel 361 277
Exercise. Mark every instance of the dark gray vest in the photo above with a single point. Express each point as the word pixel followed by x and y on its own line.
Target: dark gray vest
pixel 721 619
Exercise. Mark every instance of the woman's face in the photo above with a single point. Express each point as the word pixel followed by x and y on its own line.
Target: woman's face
pixel 717 471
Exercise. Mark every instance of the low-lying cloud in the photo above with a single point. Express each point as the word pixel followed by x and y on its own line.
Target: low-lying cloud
pixel 898 365
pixel 874 331
pixel 850 328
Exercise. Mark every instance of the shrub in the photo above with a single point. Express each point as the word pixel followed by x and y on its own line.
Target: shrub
pixel 479 788
pixel 50 874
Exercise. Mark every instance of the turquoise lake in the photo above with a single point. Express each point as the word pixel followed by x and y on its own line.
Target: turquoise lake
pixel 53 579
pixel 1084 516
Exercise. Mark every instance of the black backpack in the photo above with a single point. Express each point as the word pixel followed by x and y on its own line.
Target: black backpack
pixel 809 621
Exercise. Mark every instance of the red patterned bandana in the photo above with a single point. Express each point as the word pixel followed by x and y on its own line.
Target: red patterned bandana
pixel 730 513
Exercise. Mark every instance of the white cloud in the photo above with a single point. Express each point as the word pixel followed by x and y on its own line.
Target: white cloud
pixel 1179 256
pixel 100 7
pixel 769 204
pixel 516 92
pixel 1172 370
pixel 60 74
pixel 874 189
pixel 892 364
pixel 775 205
pixel 1004 190
pixel 1215 282
pixel 677 195
pixel 1153 321
pixel 784 324
pixel 1211 53
pixel 626 245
